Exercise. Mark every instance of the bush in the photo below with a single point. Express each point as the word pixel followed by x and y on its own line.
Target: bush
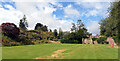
pixel 68 41
pixel 25 40
pixel 94 39
pixel 44 41
pixel 10 29
pixel 14 44
pixel 72 38
pixel 116 39
pixel 6 40
pixel 101 40
pixel 51 38
pixel 55 39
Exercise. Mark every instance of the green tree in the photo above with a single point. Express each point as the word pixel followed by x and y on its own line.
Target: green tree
pixel 55 33
pixel 44 28
pixel 60 33
pixel 50 30
pixel 23 23
pixel 80 24
pixel 73 29
pixel 110 26
pixel 78 32
pixel 41 27
pixel 38 26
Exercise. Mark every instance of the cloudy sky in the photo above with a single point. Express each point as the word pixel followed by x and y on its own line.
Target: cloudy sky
pixel 55 14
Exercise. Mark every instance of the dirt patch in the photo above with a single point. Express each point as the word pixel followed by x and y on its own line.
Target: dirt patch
pixel 57 54
pixel 113 47
pixel 53 41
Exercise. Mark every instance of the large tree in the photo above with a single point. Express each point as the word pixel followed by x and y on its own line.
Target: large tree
pixel 38 25
pixel 55 33
pixel 78 31
pixel 41 27
pixel 60 33
pixel 110 26
pixel 23 23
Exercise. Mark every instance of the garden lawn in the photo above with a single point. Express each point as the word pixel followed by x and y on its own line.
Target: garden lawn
pixel 60 51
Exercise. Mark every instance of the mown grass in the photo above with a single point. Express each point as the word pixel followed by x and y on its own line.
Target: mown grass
pixel 74 51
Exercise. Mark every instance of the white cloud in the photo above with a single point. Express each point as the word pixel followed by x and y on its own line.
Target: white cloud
pixel 93 27
pixel 65 0
pixel 98 0
pixel 70 12
pixel 35 1
pixel 9 7
pixel 41 14
pixel 49 10
pixel 92 13
pixel 11 15
pixel 0 6
pixel 57 4
pixel 95 8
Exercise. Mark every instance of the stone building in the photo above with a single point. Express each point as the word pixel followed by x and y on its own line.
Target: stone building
pixel 110 41
pixel 87 40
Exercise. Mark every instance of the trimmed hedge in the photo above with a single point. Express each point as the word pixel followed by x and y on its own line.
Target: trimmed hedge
pixel 68 41
pixel 94 39
pixel 101 40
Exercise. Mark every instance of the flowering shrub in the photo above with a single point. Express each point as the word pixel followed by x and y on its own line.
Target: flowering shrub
pixel 10 29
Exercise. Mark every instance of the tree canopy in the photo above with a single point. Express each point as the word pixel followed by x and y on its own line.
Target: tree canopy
pixel 110 26
pixel 41 27
pixel 23 23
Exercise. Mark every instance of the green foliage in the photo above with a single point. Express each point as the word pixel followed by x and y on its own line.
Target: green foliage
pixel 55 39
pixel 78 32
pixel 116 39
pixel 7 41
pixel 25 40
pixel 74 29
pixel 55 33
pixel 23 23
pixel 51 38
pixel 60 34
pixel 110 26
pixel 68 41
pixel 50 30
pixel 41 27
pixel 10 30
pixel 94 39
pixel 72 38
pixel 101 40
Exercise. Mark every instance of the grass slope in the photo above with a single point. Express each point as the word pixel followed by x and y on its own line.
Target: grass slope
pixel 73 51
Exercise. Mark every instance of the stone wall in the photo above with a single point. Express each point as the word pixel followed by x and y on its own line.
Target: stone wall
pixel 110 41
pixel 87 41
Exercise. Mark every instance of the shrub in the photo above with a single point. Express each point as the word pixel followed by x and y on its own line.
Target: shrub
pixel 25 40
pixel 14 43
pixel 10 29
pixel 94 39
pixel 101 40
pixel 116 39
pixel 73 38
pixel 44 41
pixel 51 38
pixel 75 41
pixel 69 41
pixel 6 40
pixel 55 39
